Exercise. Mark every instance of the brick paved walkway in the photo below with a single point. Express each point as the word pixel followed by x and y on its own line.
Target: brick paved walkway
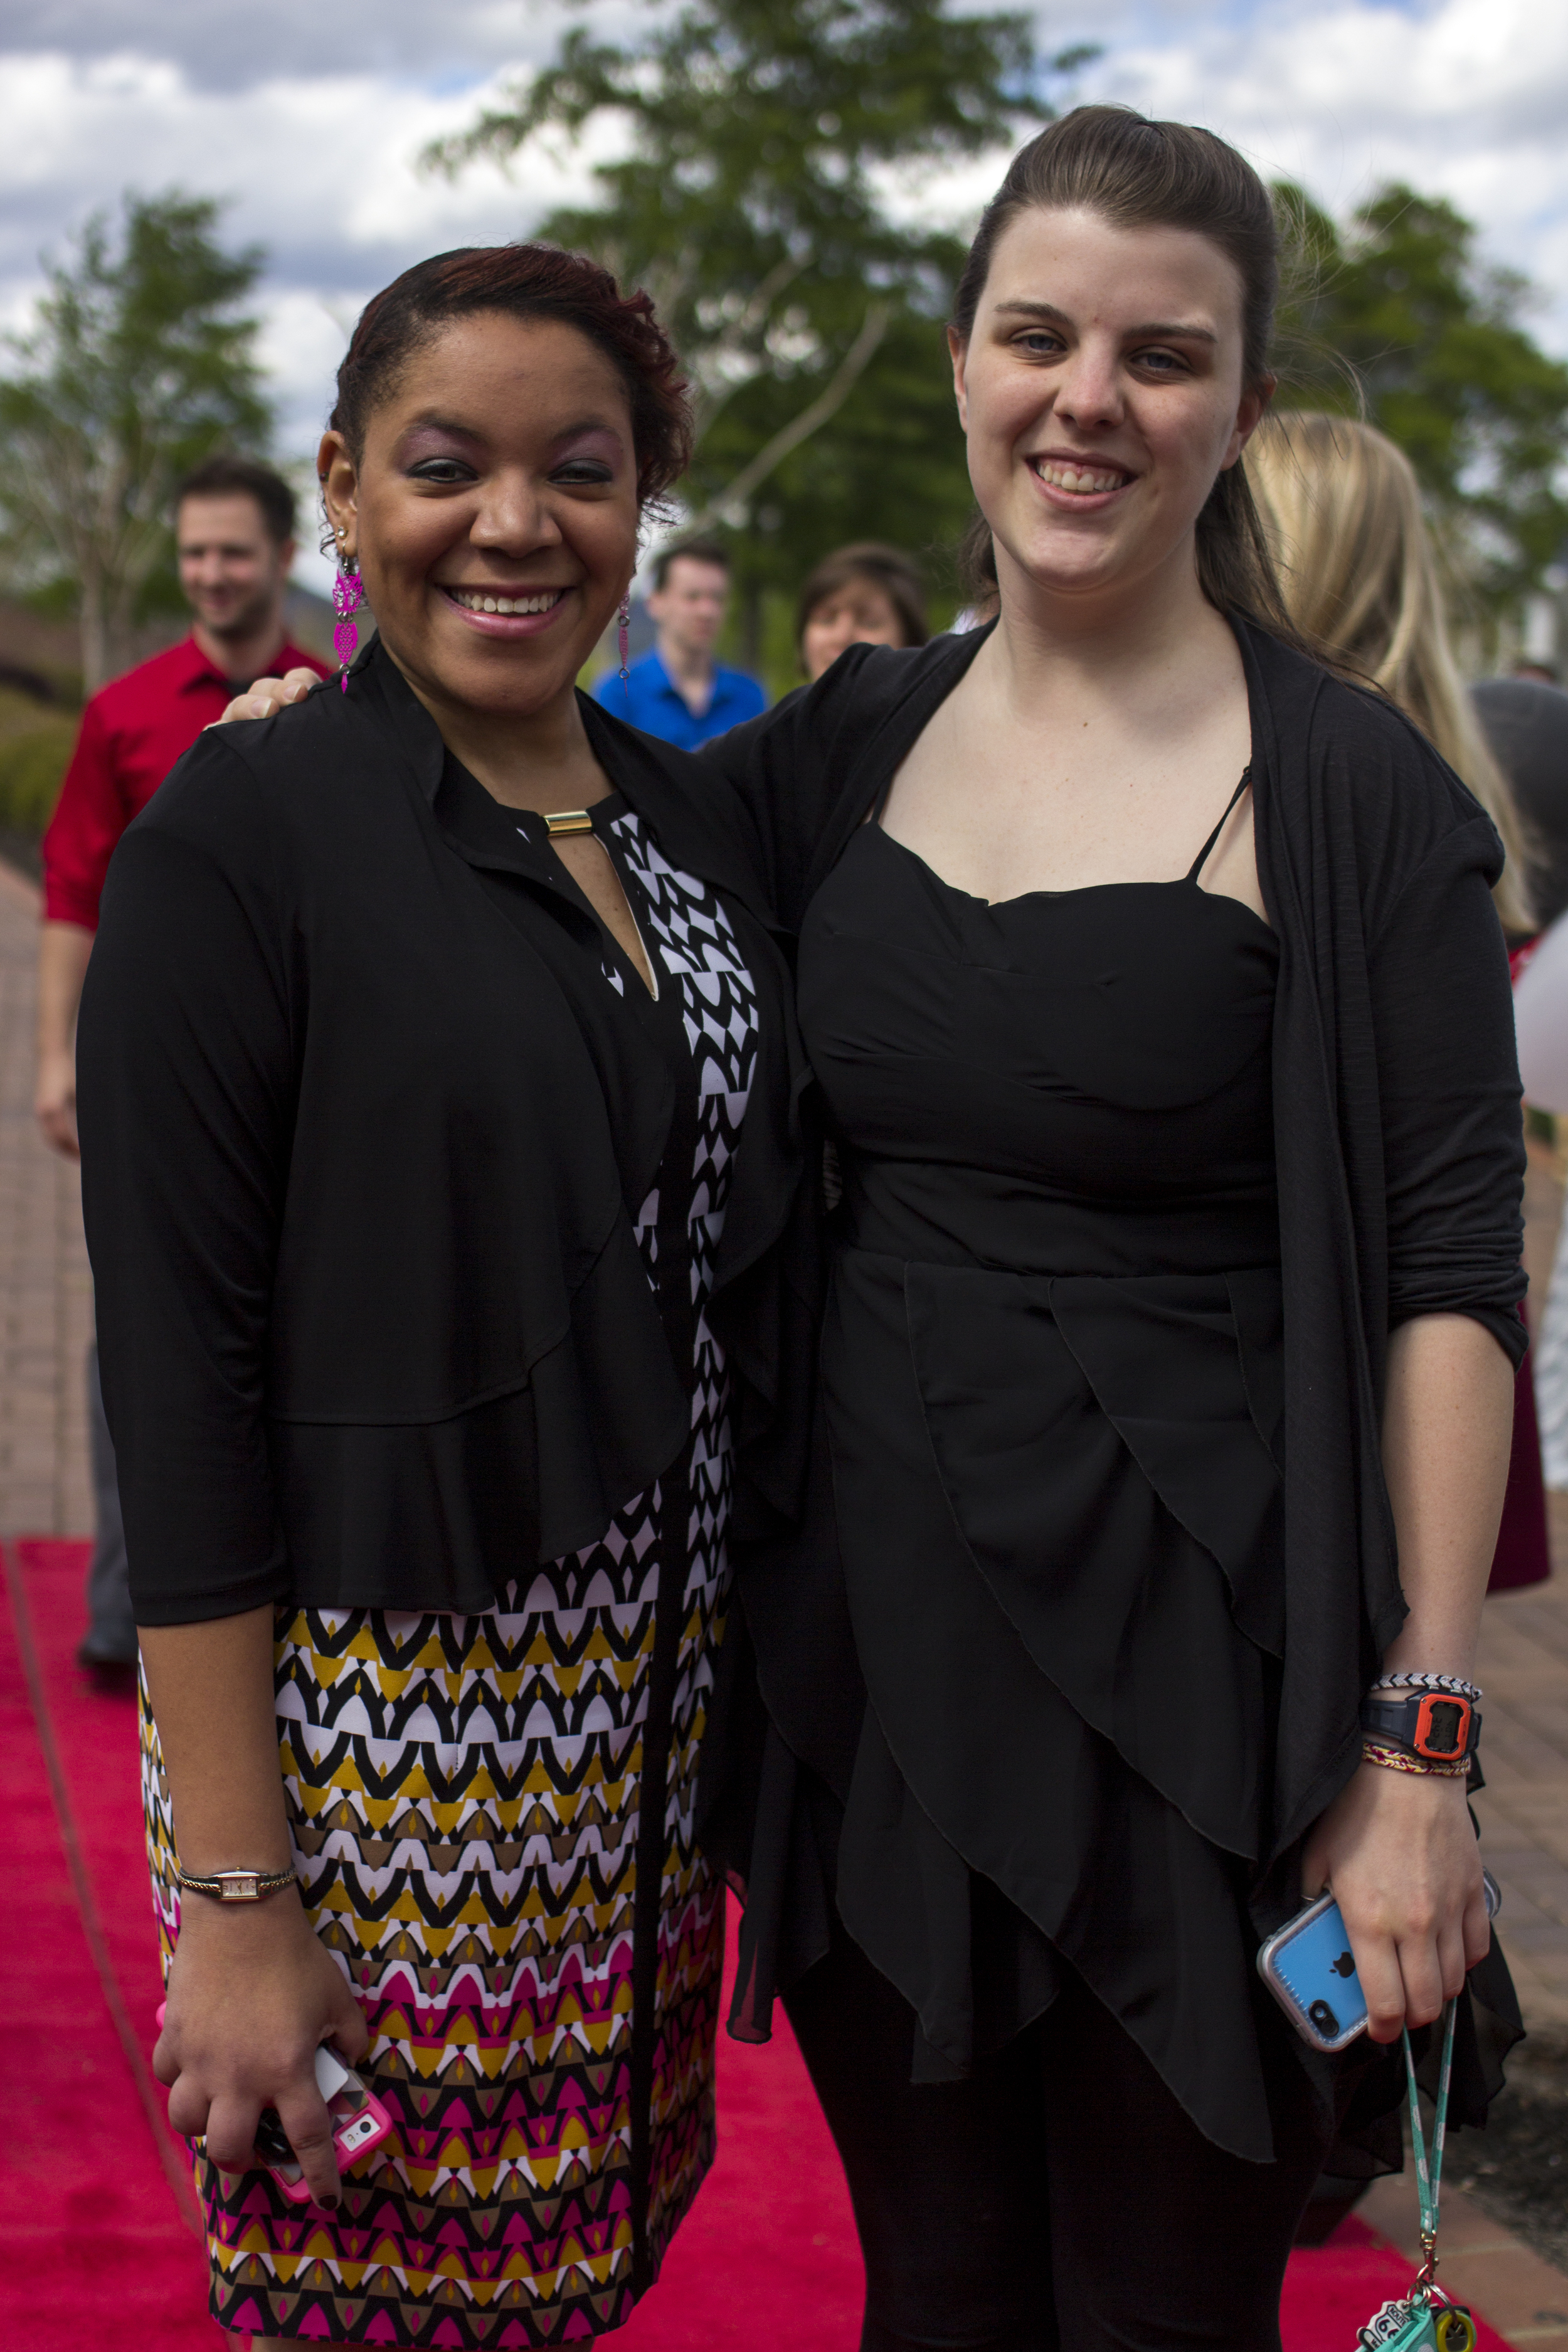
pixel 46 1321
pixel 1523 1809
pixel 45 1289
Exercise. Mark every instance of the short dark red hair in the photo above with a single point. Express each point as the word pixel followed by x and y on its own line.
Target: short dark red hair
pixel 524 282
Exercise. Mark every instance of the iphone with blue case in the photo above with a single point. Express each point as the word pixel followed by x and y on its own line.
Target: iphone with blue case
pixel 1310 1968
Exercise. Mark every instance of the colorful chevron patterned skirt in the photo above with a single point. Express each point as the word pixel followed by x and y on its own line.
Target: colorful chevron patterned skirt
pixel 464 1801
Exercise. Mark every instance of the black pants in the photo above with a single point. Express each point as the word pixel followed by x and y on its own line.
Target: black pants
pixel 1060 2198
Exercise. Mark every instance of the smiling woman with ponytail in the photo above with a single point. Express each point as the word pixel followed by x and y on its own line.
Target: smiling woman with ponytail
pixel 1152 978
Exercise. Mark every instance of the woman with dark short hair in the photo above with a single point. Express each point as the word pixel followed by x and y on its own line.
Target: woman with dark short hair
pixel 439 1153
pixel 864 594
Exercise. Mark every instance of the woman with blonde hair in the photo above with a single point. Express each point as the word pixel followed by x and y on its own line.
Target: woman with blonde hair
pixel 1341 507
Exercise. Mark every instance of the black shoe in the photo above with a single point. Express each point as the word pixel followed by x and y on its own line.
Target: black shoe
pixel 102 1653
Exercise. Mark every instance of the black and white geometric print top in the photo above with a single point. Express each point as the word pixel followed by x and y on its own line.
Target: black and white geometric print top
pixel 692 951
pixel 689 941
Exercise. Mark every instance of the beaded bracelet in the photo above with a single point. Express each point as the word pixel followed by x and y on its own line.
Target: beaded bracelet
pixel 1454 1684
pixel 1399 1759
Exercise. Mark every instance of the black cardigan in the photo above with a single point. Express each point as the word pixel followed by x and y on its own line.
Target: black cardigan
pixel 374 1324
pixel 1397 1128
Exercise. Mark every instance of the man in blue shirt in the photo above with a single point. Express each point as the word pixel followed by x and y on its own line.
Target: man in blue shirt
pixel 679 691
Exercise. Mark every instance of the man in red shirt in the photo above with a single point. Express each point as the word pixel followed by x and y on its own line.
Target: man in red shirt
pixel 234 528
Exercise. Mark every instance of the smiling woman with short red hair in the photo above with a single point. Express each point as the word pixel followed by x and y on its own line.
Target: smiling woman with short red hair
pixel 438 1151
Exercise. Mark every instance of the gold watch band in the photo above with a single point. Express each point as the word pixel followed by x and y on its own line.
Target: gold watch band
pixel 238 1886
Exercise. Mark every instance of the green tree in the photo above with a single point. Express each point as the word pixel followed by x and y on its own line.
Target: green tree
pixel 1398 309
pixel 890 466
pixel 138 363
pixel 752 201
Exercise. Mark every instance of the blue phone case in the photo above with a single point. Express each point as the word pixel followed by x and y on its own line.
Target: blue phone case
pixel 1308 1968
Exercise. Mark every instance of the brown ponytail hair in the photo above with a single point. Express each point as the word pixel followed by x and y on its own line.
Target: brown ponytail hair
pixel 1136 173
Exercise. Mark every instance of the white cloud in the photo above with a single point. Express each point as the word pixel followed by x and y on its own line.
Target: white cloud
pixel 317 144
pixel 319 171
pixel 1465 99
pixel 318 168
pixel 218 46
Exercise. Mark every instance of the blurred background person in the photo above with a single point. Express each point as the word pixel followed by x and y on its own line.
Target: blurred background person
pixel 864 594
pixel 1525 721
pixel 1341 507
pixel 234 531
pixel 679 691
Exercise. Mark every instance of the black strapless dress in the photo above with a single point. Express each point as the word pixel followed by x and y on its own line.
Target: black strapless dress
pixel 1053 1388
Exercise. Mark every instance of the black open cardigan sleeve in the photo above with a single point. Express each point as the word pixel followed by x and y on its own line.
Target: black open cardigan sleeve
pixel 1399 1152
pixel 186 1106
pixel 1447 1084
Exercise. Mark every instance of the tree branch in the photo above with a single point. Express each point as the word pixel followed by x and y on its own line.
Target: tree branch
pixel 826 405
pixel 712 393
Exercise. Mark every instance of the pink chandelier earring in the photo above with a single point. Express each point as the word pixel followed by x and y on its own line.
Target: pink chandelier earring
pixel 623 625
pixel 348 598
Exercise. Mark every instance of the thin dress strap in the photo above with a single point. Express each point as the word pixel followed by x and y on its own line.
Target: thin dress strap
pixel 1199 861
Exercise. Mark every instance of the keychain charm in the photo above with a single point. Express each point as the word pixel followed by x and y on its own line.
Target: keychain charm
pixel 1415 2322
pixel 1424 2320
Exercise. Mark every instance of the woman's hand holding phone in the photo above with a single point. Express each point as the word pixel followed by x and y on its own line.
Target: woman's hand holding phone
pixel 251 1993
pixel 1400 1853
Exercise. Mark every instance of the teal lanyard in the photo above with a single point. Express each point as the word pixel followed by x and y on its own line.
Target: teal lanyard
pixel 1429 2170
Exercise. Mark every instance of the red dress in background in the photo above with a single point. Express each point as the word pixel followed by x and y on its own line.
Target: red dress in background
pixel 1524 1554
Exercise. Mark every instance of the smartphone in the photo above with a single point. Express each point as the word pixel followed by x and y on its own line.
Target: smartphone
pixel 1310 1968
pixel 360 2121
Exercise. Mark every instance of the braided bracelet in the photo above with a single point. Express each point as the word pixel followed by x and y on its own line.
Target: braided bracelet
pixel 1399 1759
pixel 1454 1684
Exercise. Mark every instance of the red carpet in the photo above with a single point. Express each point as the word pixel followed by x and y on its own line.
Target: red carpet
pixel 95 2249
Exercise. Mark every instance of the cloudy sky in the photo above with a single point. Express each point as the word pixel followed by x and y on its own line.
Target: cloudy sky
pixel 309 116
